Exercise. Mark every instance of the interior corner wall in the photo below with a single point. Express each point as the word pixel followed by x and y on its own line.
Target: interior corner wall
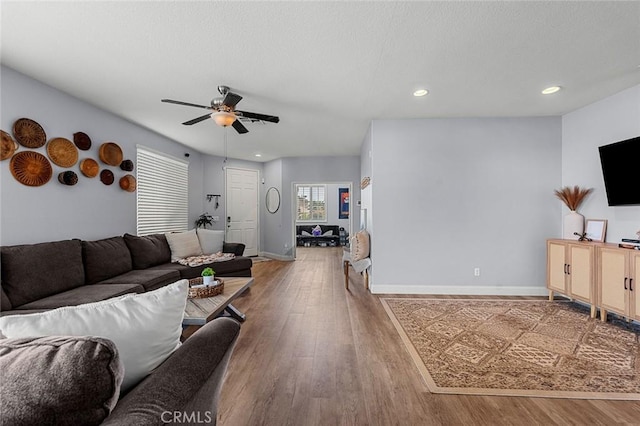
pixel 610 120
pixel 452 195
pixel 88 210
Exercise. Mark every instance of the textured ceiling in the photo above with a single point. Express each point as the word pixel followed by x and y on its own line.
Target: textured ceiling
pixel 326 68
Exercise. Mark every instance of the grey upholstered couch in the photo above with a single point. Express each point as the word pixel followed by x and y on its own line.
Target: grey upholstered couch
pixel 38 277
pixel 70 380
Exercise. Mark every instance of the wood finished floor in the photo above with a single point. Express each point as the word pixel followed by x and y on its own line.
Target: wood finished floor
pixel 312 353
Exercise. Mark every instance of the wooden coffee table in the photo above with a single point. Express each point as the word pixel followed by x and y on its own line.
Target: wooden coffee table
pixel 200 311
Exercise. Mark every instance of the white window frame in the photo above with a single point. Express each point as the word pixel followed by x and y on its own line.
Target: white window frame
pixel 311 187
pixel 162 192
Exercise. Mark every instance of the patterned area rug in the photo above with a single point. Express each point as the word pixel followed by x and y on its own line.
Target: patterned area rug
pixel 518 348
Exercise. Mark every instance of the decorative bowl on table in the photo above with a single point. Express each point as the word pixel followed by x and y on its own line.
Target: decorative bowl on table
pixel 196 291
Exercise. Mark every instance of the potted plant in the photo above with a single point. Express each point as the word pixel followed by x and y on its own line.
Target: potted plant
pixel 573 223
pixel 203 220
pixel 207 276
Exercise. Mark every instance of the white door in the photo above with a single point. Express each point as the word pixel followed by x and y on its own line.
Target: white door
pixel 242 209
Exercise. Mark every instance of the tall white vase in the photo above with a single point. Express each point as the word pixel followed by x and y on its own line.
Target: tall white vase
pixel 573 222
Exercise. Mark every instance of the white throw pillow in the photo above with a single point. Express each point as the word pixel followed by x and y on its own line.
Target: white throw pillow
pixel 328 233
pixel 211 241
pixel 183 244
pixel 145 327
pixel 306 234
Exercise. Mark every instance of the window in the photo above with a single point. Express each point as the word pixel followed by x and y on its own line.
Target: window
pixel 163 193
pixel 311 203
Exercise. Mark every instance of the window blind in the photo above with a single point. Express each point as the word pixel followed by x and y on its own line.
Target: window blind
pixel 311 203
pixel 163 193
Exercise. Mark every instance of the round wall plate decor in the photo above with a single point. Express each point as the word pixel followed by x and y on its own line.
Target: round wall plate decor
pixel 8 147
pixel 127 165
pixel 82 140
pixel 110 153
pixel 106 177
pixel 128 183
pixel 68 178
pixel 28 133
pixel 89 167
pixel 62 152
pixel 31 168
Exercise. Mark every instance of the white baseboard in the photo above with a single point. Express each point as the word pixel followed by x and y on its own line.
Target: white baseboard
pixel 460 290
pixel 276 256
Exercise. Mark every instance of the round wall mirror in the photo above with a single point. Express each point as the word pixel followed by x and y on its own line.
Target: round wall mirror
pixel 273 199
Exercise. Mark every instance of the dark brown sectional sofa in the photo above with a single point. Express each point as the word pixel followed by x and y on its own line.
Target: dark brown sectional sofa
pixel 38 277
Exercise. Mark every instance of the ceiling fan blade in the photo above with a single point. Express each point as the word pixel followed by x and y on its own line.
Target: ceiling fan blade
pixel 197 120
pixel 239 127
pixel 231 99
pixel 171 101
pixel 257 116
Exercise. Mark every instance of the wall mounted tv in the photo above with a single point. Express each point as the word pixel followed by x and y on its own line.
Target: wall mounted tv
pixel 621 171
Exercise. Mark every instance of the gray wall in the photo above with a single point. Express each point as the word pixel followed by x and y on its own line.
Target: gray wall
pixel 583 131
pixel 88 210
pixel 214 183
pixel 451 195
pixel 273 229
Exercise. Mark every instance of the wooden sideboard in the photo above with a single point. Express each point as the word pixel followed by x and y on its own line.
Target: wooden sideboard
pixel 602 275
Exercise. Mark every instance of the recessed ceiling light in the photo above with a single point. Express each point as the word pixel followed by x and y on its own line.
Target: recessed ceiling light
pixel 550 90
pixel 258 155
pixel 420 92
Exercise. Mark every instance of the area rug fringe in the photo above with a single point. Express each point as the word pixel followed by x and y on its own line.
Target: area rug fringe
pixel 497 391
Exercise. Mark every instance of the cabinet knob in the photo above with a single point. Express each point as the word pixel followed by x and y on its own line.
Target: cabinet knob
pixel 630 284
pixel 625 283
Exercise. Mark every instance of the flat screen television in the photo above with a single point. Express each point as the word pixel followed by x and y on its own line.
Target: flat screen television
pixel 621 171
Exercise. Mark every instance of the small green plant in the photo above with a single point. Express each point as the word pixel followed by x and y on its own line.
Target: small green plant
pixel 208 272
pixel 203 220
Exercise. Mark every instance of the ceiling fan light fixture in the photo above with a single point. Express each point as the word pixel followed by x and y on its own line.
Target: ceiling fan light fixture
pixel 223 118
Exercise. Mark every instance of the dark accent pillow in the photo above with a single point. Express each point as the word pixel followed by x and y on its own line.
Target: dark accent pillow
pixel 104 259
pixel 24 266
pixel 147 251
pixel 67 380
pixel 5 303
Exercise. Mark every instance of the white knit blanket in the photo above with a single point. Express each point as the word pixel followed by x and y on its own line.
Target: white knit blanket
pixel 204 259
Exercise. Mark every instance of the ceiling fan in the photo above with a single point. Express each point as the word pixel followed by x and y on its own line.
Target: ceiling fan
pixel 225 112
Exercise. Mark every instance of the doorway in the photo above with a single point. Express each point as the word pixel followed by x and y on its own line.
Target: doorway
pixel 333 205
pixel 242 208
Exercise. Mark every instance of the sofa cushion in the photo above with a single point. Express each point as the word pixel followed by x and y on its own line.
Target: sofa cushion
pixel 183 244
pixel 240 266
pixel 148 251
pixel 105 259
pixel 33 271
pixel 147 278
pixel 146 328
pixel 84 294
pixel 211 241
pixel 5 303
pixel 69 380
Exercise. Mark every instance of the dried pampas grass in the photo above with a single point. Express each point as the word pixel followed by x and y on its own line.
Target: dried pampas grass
pixel 572 197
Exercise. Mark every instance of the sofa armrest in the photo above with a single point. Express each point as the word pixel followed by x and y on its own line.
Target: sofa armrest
pixel 188 382
pixel 235 248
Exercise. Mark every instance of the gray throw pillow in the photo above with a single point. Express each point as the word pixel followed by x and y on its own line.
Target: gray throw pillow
pixel 62 379
pixel 106 258
pixel 148 251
